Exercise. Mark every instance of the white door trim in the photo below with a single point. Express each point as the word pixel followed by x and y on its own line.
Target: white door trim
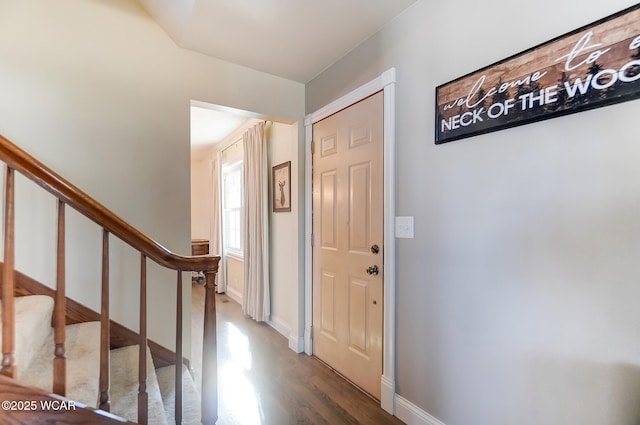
pixel 386 81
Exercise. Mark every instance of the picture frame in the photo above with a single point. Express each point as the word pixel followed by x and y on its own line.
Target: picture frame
pixel 281 187
pixel 593 66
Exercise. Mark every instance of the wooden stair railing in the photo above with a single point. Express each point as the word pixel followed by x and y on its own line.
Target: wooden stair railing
pixel 67 194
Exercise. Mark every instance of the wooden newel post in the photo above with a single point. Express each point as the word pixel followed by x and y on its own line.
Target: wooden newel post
pixel 209 354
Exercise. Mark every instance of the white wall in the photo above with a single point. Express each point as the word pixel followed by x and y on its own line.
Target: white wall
pixel 284 269
pixel 200 199
pixel 518 297
pixel 235 277
pixel 96 90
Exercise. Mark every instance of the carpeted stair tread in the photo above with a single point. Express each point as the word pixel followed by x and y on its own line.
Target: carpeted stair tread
pixel 190 396
pixel 124 386
pixel 34 354
pixel 83 363
pixel 32 327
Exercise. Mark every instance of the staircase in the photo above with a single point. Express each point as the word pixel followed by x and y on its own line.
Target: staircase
pixel 66 364
pixel 34 354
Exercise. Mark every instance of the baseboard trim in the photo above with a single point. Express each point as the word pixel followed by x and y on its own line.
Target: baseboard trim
pixel 279 325
pixel 296 343
pixel 308 342
pixel 411 414
pixel 234 295
pixel 387 394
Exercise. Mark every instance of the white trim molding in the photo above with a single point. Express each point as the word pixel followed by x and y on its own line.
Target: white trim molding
pixel 308 229
pixel 385 82
pixel 234 295
pixel 411 414
pixel 387 394
pixel 279 325
pixel 296 343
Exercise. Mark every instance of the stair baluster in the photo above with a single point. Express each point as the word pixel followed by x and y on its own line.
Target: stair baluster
pixel 104 326
pixel 8 307
pixel 209 353
pixel 60 358
pixel 178 383
pixel 143 397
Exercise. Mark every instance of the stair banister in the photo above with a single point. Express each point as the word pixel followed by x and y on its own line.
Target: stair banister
pixel 68 194
pixel 33 169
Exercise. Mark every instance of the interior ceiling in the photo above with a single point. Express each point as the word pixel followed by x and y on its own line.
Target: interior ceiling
pixel 210 126
pixel 293 39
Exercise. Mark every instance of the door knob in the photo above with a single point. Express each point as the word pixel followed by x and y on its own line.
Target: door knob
pixel 373 270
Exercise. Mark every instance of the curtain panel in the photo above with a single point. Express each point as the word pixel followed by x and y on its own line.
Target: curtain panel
pixel 256 300
pixel 216 221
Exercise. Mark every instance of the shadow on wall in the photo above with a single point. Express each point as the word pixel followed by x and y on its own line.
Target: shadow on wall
pixel 564 391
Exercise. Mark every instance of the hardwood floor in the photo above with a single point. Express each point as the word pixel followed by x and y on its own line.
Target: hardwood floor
pixel 263 382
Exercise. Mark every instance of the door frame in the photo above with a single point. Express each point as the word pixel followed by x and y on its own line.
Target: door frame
pixel 385 82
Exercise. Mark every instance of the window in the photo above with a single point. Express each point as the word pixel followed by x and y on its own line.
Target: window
pixel 232 202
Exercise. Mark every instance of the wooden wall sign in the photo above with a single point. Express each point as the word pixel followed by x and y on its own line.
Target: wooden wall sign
pixel 593 66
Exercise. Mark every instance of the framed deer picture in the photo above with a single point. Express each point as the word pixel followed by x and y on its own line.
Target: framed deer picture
pixel 281 187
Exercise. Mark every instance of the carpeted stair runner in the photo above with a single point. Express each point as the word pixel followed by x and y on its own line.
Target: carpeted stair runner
pixel 83 363
pixel 190 396
pixel 33 326
pixel 34 360
pixel 124 386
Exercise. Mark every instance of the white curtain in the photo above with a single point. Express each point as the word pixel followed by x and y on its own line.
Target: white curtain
pixel 216 220
pixel 256 301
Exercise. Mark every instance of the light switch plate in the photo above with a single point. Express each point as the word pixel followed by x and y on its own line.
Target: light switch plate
pixel 404 227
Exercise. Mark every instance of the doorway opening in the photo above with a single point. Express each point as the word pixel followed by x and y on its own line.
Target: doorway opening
pixel 217 189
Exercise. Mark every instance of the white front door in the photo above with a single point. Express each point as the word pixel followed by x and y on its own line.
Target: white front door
pixel 348 222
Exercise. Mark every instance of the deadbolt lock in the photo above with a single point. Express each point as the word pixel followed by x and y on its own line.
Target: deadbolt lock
pixel 375 249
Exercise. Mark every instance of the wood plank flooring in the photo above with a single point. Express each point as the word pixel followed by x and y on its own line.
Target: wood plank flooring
pixel 263 382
